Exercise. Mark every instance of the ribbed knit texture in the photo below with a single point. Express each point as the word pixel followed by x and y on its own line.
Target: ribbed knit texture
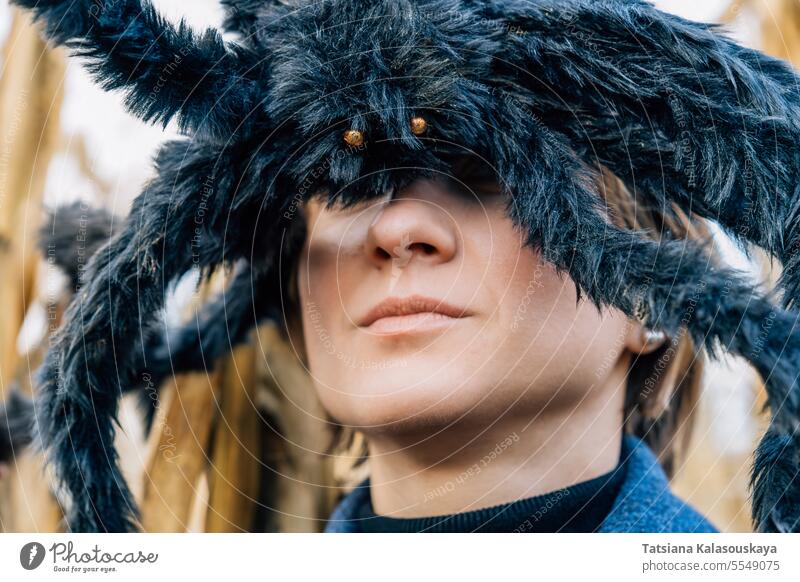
pixel 580 508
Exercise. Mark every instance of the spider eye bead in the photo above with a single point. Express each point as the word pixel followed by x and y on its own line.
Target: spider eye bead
pixel 418 125
pixel 354 137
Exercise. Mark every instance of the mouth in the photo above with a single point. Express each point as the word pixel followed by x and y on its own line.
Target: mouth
pixel 413 314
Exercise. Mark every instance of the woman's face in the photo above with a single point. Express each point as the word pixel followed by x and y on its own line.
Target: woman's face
pixel 424 307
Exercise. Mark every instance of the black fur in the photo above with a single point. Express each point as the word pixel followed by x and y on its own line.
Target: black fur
pixel 17 421
pixel 547 91
pixel 71 234
pixel 241 16
pixel 166 71
pixel 693 118
pixel 776 494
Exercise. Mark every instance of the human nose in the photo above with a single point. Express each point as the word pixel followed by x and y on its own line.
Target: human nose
pixel 412 225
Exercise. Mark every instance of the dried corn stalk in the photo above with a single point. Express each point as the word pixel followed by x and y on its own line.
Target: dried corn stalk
pixel 30 100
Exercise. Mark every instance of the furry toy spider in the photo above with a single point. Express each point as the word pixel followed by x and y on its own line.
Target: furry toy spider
pixel 353 97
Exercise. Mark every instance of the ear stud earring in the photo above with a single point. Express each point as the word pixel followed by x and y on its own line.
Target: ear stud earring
pixel 653 337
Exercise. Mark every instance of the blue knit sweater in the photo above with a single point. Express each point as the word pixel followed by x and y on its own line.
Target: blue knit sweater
pixel 644 502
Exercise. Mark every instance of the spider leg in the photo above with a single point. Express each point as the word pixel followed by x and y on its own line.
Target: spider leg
pixel 774 477
pixel 242 15
pixel 676 110
pixel 220 326
pixel 177 224
pixel 166 71
pixel 71 234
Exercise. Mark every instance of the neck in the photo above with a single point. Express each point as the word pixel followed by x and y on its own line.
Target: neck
pixel 469 465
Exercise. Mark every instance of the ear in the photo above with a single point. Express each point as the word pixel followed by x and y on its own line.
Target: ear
pixel 657 375
pixel 641 341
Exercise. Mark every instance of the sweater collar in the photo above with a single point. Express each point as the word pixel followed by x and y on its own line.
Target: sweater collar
pixel 580 507
pixel 644 501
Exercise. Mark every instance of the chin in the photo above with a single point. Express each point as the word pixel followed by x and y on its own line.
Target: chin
pixel 402 399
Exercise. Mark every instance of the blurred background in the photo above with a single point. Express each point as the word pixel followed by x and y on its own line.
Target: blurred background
pixel 239 449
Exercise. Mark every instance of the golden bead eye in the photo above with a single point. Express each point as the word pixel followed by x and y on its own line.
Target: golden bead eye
pixel 354 137
pixel 418 125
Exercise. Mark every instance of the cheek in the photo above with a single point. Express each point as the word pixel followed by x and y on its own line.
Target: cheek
pixel 323 282
pixel 327 269
pixel 319 309
pixel 550 341
pixel 322 286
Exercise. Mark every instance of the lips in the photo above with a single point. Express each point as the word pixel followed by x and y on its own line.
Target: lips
pixel 416 312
